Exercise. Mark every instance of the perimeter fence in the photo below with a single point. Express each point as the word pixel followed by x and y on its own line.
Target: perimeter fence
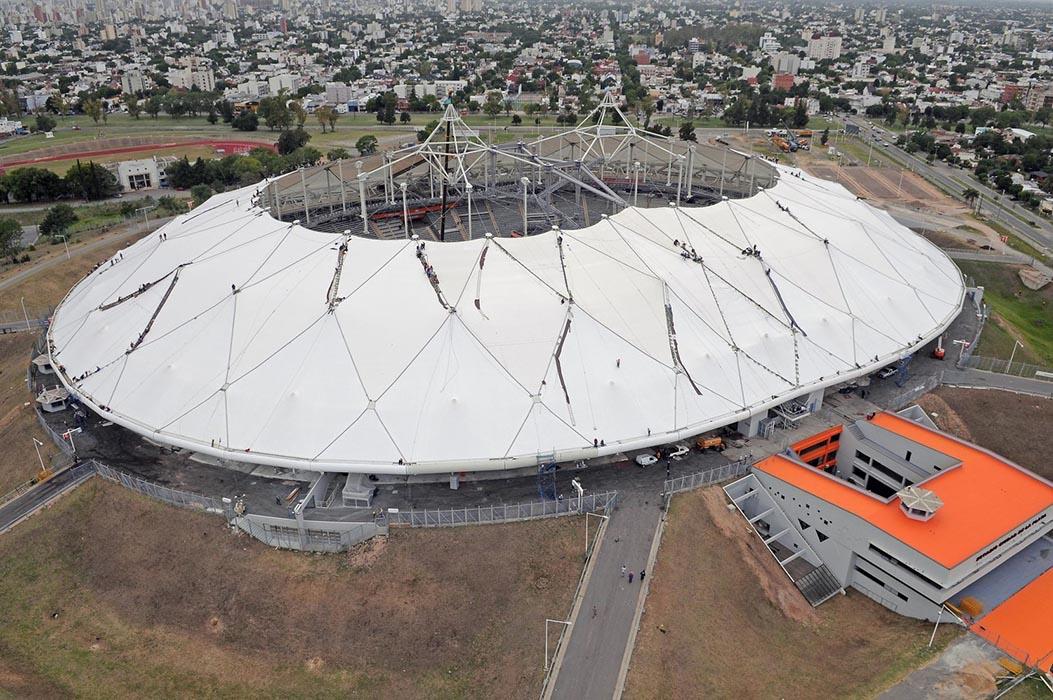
pixel 506 512
pixel 711 476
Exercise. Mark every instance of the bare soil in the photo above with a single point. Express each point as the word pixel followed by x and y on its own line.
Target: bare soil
pixel 18 422
pixel 1013 425
pixel 109 593
pixel 719 623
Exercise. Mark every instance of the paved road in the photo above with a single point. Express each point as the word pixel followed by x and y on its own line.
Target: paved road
pixel 40 495
pixel 133 230
pixel 597 641
pixel 998 207
pixel 974 378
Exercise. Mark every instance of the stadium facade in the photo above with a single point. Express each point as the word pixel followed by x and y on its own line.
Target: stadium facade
pixel 237 333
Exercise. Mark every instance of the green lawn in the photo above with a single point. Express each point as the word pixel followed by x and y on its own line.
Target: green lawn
pixel 1029 312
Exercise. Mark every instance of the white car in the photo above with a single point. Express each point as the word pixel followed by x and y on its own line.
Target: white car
pixel 679 452
pixel 646 459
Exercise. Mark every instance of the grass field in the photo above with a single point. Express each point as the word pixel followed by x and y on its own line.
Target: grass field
pixel 723 621
pixel 1029 314
pixel 110 594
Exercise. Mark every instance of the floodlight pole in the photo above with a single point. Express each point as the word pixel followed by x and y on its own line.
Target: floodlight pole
pixel 1012 355
pixel 405 211
pixel 468 188
pixel 362 197
pixel 445 178
pixel 690 169
pixel 65 244
pixel 391 178
pixel 595 515
pixel 679 180
pixel 23 302
pixel 306 206
pixel 723 165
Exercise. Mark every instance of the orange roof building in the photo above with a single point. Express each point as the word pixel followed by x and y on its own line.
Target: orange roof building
pixel 916 519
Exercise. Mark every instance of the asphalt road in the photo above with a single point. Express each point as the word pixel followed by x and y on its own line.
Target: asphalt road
pixel 597 641
pixel 12 512
pixel 995 206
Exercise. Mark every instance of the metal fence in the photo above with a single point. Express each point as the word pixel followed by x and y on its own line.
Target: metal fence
pixel 914 393
pixel 710 476
pixel 506 512
pixel 1000 366
pixel 183 499
pixel 312 536
pixel 60 442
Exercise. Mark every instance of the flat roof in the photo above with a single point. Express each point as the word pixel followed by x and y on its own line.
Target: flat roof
pixel 1022 626
pixel 983 498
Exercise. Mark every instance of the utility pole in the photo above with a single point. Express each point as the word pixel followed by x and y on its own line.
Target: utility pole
pixel 445 178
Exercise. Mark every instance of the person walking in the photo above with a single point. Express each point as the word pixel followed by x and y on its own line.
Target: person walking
pixel 630 577
pixel 642 574
pixel 624 569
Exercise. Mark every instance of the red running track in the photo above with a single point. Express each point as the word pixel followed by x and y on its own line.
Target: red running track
pixel 229 148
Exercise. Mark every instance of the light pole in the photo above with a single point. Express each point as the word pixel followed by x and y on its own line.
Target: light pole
pixel 636 182
pixel 526 187
pixel 24 313
pixel 566 623
pixel 1013 354
pixel 66 245
pixel 37 444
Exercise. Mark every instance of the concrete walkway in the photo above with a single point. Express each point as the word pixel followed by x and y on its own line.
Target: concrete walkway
pixel 597 642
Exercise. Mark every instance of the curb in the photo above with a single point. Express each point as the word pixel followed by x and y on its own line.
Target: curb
pixel 630 643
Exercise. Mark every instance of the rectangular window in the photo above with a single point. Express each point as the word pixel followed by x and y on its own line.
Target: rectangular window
pixel 893 560
pixel 870 576
pixel 886 471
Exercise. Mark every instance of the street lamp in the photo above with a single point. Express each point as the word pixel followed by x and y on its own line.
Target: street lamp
pixel 64 243
pixel 37 444
pixel 566 623
pixel 24 313
pixel 1013 354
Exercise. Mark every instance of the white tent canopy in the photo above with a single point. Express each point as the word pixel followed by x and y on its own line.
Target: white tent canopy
pixel 233 334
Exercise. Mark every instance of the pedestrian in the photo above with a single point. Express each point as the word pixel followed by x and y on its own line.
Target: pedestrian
pixel 618 362
pixel 277 500
pixel 642 574
pixel 624 569
pixel 630 577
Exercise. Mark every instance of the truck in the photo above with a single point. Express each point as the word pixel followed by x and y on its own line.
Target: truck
pixel 710 442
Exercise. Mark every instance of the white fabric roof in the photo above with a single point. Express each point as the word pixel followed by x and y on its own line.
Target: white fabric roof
pixel 513 353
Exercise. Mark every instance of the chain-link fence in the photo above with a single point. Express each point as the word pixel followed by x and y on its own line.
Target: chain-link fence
pixel 62 443
pixel 183 499
pixel 1000 366
pixel 506 512
pixel 710 476
pixel 310 535
pixel 24 320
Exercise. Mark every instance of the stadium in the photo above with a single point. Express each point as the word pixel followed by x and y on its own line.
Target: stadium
pixel 466 306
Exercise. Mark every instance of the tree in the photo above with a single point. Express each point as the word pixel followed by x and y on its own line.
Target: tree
pixel 331 116
pixel 275 113
pixel 516 120
pixel 10 236
pixel 200 194
pixel 367 145
pixel 970 195
pixel 289 141
pixel 825 136
pixel 800 114
pixel 245 121
pixel 493 105
pixel 212 116
pixel 405 117
pixel 298 113
pixel 132 103
pixel 687 132
pixel 320 115
pixel 423 134
pixel 93 108
pixel 57 221
pixel 91 181
pixel 45 123
pixel 153 106
pixel 338 153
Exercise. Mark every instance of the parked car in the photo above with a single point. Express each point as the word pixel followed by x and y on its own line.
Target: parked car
pixel 646 459
pixel 679 452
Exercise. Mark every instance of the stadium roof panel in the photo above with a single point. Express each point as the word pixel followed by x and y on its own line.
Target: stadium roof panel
pixel 237 335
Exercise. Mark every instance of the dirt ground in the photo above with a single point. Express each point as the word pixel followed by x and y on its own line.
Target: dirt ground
pixel 109 593
pixel 1003 422
pixel 722 620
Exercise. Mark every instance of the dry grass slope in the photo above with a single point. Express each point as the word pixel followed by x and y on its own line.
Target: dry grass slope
pixel 720 623
pixel 111 593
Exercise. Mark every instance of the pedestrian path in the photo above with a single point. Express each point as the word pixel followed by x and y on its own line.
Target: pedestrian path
pixel 598 638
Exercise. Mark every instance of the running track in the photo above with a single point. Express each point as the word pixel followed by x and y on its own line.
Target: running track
pixel 227 145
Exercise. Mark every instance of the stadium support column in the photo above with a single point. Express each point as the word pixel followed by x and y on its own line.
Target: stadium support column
pixel 468 188
pixel 306 205
pixel 669 170
pixel 636 182
pixel 526 187
pixel 343 188
pixel 750 427
pixel 679 179
pixel 391 179
pixel 753 172
pixel 277 200
pixel 723 165
pixel 405 211
pixel 690 170
pixel 362 200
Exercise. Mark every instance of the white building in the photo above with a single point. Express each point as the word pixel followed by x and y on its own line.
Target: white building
pixel 188 78
pixel 785 62
pixel 132 82
pixel 822 47
pixel 290 82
